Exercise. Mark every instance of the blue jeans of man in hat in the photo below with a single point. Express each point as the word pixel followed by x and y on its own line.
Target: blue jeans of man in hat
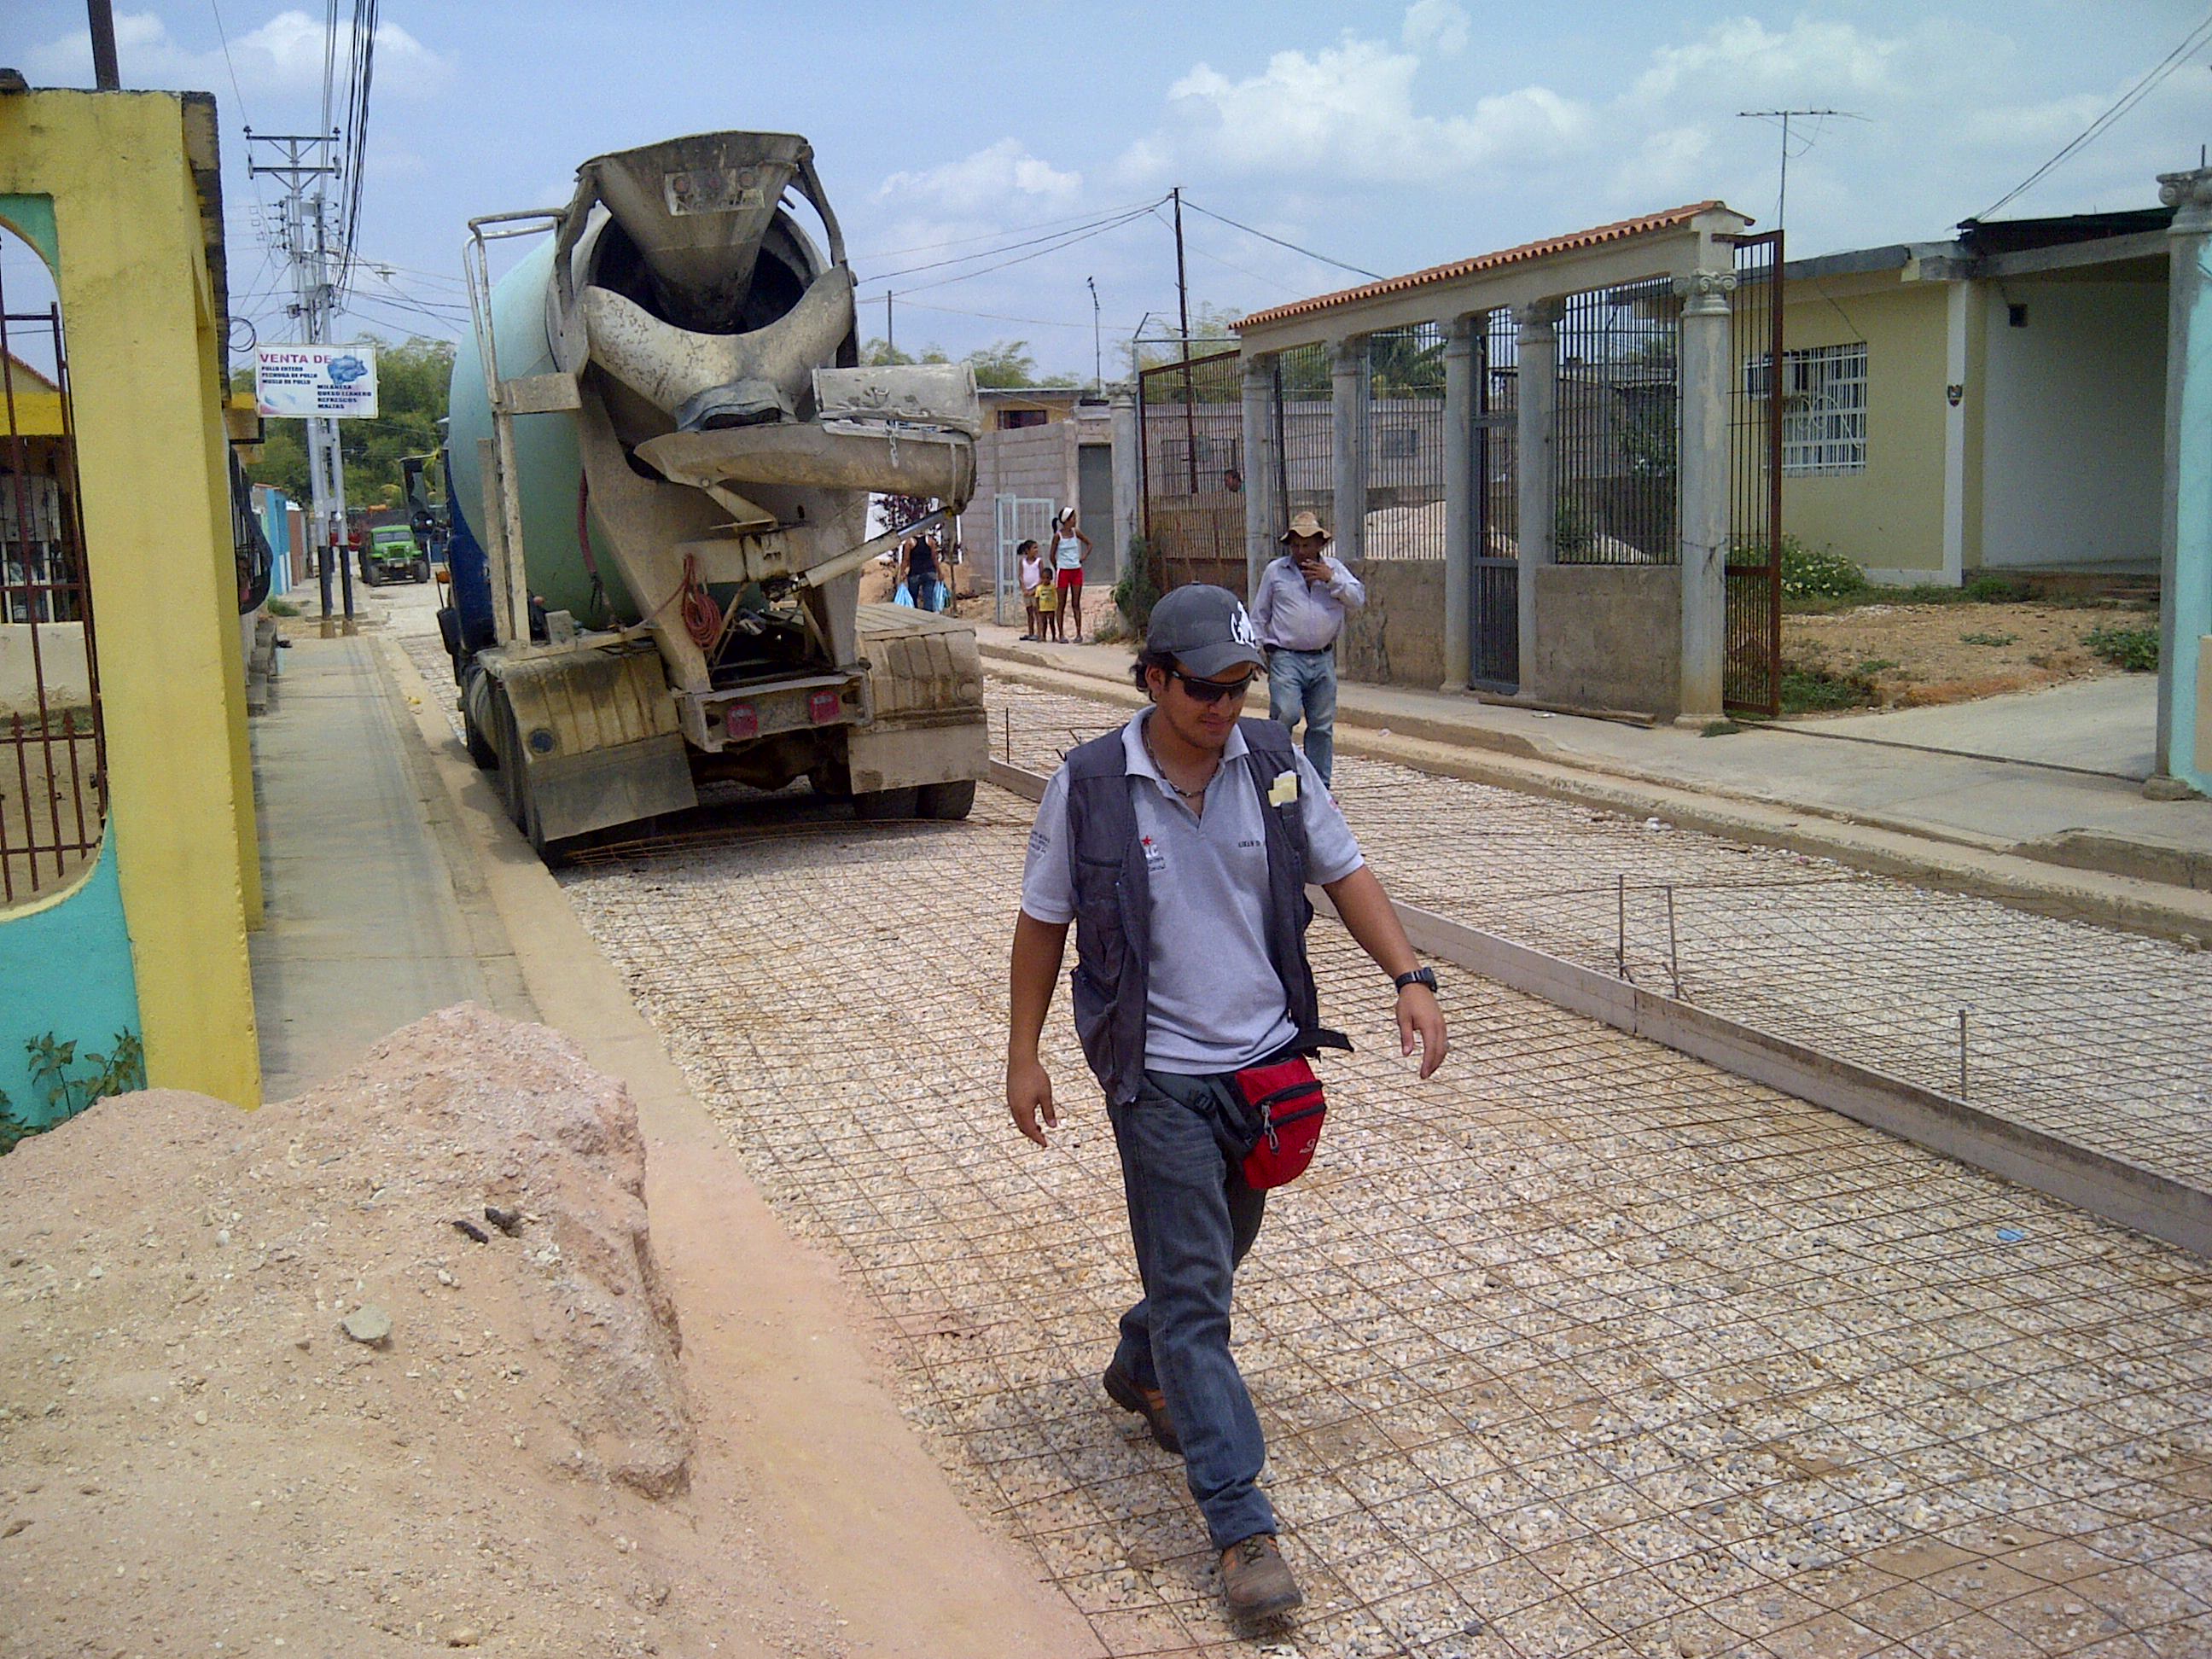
pixel 1302 685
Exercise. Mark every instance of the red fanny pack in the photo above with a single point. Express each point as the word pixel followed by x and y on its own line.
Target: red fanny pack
pixel 1286 1099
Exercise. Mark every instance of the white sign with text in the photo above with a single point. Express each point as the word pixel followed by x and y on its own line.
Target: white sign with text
pixel 324 382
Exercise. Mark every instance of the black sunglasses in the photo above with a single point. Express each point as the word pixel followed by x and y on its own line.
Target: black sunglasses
pixel 1212 691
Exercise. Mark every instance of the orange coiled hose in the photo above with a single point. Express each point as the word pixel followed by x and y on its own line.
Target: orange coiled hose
pixel 703 616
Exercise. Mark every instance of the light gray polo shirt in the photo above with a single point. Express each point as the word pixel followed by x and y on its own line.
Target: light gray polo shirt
pixel 1215 1003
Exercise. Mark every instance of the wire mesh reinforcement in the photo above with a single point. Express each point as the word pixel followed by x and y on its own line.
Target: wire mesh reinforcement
pixel 2104 1039
pixel 1583 1348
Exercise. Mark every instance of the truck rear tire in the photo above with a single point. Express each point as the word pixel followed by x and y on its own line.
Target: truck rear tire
pixel 875 805
pixel 479 746
pixel 948 801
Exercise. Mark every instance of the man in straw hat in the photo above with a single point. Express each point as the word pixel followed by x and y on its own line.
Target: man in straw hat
pixel 1304 597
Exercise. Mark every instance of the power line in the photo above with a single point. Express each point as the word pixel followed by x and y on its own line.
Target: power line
pixel 1066 241
pixel 1360 270
pixel 224 36
pixel 2126 101
pixel 1059 238
pixel 994 235
pixel 998 317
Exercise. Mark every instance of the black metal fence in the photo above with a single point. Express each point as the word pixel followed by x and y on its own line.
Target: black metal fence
pixel 1306 433
pixel 1495 659
pixel 1616 451
pixel 1191 418
pixel 1405 444
pixel 52 747
pixel 1751 675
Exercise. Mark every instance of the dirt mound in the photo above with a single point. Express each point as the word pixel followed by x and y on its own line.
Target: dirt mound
pixel 258 1388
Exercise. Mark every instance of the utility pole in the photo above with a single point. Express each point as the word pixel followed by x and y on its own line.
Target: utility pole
pixel 1182 310
pixel 100 16
pixel 302 162
pixel 890 334
pixel 1782 196
pixel 1098 340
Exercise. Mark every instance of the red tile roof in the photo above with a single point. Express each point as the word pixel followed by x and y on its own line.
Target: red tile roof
pixel 1672 219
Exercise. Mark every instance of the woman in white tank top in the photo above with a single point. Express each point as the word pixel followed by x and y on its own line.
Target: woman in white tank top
pixel 1070 547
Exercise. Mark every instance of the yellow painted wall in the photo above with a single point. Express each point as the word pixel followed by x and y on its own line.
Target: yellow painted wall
pixel 1890 516
pixel 146 384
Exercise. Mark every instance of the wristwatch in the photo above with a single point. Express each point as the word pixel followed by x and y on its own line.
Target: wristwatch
pixel 1419 976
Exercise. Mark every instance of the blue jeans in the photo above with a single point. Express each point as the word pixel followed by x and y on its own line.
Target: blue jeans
pixel 1305 682
pixel 1193 1218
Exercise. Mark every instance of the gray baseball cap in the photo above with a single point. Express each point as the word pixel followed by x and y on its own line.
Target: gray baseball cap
pixel 1204 629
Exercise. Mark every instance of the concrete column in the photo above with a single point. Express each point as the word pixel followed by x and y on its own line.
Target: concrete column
pixel 1702 481
pixel 1347 379
pixel 1459 502
pixel 1536 419
pixel 1128 484
pixel 1263 509
pixel 2185 606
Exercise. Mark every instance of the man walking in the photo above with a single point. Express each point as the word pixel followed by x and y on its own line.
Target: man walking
pixel 1180 846
pixel 1304 597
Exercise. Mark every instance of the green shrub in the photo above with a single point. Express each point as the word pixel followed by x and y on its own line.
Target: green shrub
pixel 2135 649
pixel 282 608
pixel 1989 639
pixel 118 1072
pixel 1809 573
pixel 1137 592
pixel 1809 689
pixel 1987 589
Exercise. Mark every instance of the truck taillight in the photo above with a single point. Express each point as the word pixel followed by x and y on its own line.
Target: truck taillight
pixel 822 707
pixel 741 720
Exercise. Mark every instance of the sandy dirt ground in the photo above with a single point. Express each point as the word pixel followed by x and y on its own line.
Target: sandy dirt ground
pixel 260 1391
pixel 1917 654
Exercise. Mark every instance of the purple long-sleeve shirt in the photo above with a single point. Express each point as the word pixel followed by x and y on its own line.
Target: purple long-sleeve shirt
pixel 1293 614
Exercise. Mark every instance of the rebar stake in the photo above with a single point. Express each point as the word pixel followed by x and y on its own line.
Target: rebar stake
pixel 1620 928
pixel 1674 956
pixel 1962 1054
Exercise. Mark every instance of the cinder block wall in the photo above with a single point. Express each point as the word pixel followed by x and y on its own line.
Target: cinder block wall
pixel 1398 638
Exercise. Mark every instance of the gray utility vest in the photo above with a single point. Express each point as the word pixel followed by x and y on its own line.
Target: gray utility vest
pixel 1113 905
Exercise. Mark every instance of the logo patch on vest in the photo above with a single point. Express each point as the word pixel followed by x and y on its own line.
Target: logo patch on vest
pixel 1156 861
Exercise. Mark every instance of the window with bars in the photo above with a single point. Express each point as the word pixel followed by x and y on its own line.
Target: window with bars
pixel 1824 408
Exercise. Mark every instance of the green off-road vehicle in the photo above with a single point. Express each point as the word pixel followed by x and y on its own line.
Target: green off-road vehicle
pixel 393 553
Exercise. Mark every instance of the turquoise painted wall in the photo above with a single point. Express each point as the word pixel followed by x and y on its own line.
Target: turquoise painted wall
pixel 65 969
pixel 2192 596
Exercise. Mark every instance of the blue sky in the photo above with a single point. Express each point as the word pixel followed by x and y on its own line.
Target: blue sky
pixel 1386 135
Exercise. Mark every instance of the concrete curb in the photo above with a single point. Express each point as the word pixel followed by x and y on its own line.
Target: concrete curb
pixel 1985 869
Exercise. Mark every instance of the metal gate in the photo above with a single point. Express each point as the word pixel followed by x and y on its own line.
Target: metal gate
pixel 1190 419
pixel 1494 663
pixel 52 749
pixel 1751 676
pixel 1016 519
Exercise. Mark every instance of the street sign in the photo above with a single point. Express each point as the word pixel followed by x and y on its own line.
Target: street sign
pixel 323 382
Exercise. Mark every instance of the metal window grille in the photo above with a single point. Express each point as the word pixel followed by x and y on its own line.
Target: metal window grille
pixel 1824 407
pixel 1405 443
pixel 1619 420
pixel 53 748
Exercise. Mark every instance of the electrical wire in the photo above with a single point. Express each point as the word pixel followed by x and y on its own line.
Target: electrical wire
pixel 994 235
pixel 1000 317
pixel 224 36
pixel 1341 264
pixel 1060 238
pixel 2126 101
pixel 1066 242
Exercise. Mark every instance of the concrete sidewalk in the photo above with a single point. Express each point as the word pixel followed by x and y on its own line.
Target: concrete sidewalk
pixel 1868 790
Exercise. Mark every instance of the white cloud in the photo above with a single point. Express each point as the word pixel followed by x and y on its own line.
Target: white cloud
pixel 1810 61
pixel 1349 111
pixel 988 179
pixel 1438 24
pixel 284 55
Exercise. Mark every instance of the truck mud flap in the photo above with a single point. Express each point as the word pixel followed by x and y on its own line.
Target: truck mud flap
pixel 599 788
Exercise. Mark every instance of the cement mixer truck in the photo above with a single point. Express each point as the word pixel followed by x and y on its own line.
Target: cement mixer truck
pixel 660 452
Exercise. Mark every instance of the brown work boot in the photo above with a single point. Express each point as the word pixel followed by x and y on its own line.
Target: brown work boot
pixel 1257 1580
pixel 1148 1403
